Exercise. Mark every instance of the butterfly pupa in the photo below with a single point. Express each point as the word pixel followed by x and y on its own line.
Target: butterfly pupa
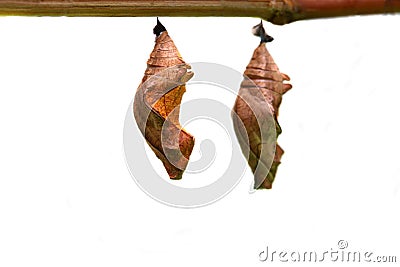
pixel 157 101
pixel 262 75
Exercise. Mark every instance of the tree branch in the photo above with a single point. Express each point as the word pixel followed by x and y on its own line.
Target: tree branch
pixel 275 11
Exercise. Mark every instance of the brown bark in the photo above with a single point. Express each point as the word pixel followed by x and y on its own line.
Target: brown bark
pixel 309 9
pixel 275 11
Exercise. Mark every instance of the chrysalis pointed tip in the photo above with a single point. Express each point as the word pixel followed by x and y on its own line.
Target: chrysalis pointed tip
pixel 159 28
pixel 259 31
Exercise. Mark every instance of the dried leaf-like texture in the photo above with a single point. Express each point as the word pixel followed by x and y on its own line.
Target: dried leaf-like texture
pixel 263 76
pixel 156 106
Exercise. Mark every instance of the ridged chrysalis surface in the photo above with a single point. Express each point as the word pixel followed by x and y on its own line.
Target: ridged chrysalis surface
pixel 262 75
pixel 156 104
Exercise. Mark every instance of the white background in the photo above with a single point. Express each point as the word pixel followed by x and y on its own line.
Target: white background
pixel 66 196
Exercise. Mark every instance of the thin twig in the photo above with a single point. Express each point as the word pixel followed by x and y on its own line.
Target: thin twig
pixel 275 11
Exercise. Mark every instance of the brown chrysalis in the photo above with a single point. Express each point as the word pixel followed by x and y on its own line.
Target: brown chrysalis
pixel 156 104
pixel 262 75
